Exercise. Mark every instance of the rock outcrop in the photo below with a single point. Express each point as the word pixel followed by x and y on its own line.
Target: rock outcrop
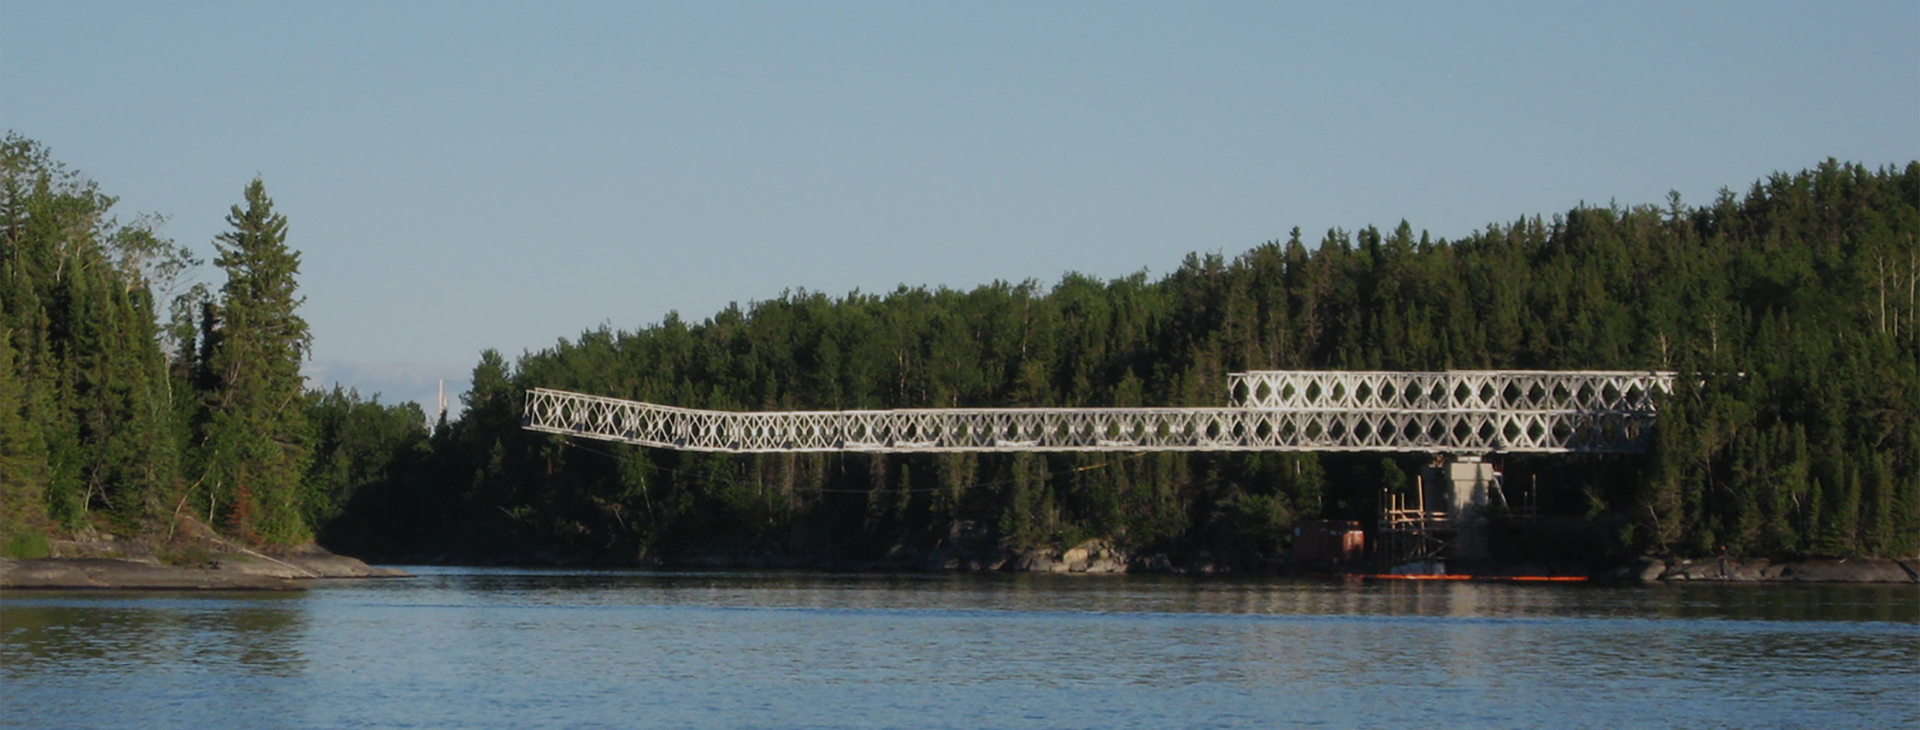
pixel 1732 570
pixel 121 574
pixel 1092 556
pixel 106 562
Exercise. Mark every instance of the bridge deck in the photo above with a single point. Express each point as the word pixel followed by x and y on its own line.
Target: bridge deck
pixel 1468 412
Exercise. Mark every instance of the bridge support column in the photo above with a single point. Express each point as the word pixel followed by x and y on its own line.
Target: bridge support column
pixel 1470 485
pixel 1445 518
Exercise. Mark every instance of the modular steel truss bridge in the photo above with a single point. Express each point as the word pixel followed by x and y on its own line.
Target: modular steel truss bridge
pixel 1452 412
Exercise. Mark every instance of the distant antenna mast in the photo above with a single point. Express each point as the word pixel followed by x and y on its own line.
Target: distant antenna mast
pixel 443 402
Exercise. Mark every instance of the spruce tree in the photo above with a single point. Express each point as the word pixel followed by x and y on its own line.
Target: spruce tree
pixel 86 432
pixel 253 449
pixel 23 464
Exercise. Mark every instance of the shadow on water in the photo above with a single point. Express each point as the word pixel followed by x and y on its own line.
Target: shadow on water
pixel 1177 594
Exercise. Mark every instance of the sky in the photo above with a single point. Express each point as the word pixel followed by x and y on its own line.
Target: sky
pixel 469 175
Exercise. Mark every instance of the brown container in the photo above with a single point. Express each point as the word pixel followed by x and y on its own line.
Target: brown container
pixel 1328 544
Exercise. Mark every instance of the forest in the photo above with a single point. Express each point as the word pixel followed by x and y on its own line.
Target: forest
pixel 128 405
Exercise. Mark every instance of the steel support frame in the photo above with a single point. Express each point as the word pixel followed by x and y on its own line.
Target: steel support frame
pixel 1456 412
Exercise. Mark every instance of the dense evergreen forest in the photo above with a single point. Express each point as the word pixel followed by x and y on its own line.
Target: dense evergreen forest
pixel 1795 304
pixel 116 420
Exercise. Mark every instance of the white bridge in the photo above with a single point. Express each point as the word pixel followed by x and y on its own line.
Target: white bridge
pixel 1452 412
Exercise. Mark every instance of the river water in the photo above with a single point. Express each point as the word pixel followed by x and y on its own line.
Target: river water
pixel 479 648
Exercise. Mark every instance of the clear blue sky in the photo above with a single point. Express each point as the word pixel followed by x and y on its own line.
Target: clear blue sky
pixel 466 175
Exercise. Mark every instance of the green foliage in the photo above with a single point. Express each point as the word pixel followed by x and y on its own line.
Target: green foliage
pixel 1262 525
pixel 108 419
pixel 23 457
pixel 1794 306
pixel 87 426
pixel 21 545
pixel 1792 310
pixel 356 443
pixel 253 450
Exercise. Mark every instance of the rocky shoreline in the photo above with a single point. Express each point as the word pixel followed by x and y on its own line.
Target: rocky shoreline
pixel 228 573
pixel 1101 557
pixel 209 563
pixel 206 564
pixel 1761 570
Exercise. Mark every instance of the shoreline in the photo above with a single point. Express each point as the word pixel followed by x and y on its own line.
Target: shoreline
pixel 249 570
pixel 1097 558
pixel 227 572
pixel 1762 570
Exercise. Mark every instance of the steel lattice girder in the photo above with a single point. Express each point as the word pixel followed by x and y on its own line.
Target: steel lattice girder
pixel 1588 391
pixel 1475 412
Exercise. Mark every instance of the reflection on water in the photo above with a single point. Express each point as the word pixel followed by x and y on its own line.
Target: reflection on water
pixel 78 633
pixel 519 648
pixel 1175 594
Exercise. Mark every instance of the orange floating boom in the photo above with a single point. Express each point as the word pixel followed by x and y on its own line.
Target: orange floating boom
pixel 1486 578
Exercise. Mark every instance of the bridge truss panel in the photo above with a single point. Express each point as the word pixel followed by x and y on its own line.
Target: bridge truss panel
pixel 1454 412
pixel 1588 391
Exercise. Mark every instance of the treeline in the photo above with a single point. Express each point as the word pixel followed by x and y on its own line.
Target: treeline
pixel 120 418
pixel 1792 308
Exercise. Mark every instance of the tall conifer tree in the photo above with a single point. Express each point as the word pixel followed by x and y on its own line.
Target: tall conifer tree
pixel 254 449
pixel 86 429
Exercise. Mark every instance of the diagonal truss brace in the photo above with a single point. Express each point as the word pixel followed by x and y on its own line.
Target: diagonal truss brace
pixel 1467 412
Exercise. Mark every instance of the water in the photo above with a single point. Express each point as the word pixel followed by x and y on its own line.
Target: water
pixel 472 648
